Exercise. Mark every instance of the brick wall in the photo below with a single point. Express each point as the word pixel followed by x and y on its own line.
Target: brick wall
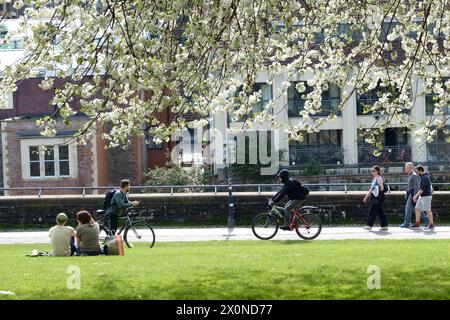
pixel 198 209
pixel 13 160
pixel 123 164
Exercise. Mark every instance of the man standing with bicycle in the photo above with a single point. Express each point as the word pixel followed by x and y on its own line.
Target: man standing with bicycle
pixel 291 188
pixel 119 203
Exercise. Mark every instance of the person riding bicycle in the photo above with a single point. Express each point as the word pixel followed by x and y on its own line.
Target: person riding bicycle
pixel 295 195
pixel 119 203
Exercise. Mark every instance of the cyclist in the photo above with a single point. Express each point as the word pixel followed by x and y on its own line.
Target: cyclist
pixel 292 190
pixel 118 204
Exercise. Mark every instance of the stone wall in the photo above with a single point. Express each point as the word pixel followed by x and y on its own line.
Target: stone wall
pixel 203 208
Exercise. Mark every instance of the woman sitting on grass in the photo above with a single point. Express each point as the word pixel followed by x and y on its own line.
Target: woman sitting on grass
pixel 88 239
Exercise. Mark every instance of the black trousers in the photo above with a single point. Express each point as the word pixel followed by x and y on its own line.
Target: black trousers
pixel 113 221
pixel 377 209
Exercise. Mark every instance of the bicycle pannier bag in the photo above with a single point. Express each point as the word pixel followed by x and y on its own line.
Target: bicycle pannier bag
pixel 114 245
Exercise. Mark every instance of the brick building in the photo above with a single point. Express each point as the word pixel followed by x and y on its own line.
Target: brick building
pixel 27 163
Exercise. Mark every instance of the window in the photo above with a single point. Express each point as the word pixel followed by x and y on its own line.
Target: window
pixel 16 44
pixel 388 27
pixel 430 101
pixel 9 100
pixel 35 170
pixel 324 146
pixel 331 99
pixel 266 96
pixel 151 144
pixel 438 150
pixel 48 161
pixel 323 138
pixel 64 163
pixel 364 100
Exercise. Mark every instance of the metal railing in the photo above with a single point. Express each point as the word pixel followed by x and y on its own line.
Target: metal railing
pixel 329 106
pixel 326 155
pixel 344 187
pixel 398 153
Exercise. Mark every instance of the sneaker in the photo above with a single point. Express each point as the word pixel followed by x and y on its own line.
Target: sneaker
pixel 368 228
pixel 404 226
pixel 384 229
pixel 415 226
pixel 285 228
pixel 429 228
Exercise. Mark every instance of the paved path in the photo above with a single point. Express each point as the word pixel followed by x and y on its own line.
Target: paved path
pixel 205 234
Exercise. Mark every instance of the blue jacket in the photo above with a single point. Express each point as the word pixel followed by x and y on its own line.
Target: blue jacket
pixel 425 185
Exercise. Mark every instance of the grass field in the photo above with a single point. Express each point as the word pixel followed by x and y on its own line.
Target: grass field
pixel 410 269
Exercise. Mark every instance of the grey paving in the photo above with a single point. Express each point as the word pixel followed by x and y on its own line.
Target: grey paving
pixel 225 234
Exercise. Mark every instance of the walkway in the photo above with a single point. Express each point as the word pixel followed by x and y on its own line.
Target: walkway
pixel 206 234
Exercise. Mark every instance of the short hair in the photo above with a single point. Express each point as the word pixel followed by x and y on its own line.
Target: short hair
pixel 84 217
pixel 420 168
pixel 124 183
pixel 61 218
pixel 377 168
pixel 409 164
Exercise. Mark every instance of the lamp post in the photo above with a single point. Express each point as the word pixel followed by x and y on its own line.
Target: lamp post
pixel 228 161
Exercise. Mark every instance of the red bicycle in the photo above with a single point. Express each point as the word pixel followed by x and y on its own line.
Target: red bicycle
pixel 306 224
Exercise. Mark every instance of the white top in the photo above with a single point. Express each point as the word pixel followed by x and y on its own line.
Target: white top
pixel 60 237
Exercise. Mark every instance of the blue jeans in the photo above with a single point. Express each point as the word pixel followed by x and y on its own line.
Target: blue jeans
pixel 410 210
pixel 73 247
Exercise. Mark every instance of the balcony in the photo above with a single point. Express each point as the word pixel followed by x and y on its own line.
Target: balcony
pixel 366 103
pixel 326 155
pixel 398 153
pixel 328 107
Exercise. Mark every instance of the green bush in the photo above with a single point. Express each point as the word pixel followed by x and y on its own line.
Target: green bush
pixel 174 175
pixel 312 168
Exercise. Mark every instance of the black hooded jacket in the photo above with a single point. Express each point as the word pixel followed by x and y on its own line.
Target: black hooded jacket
pixel 289 189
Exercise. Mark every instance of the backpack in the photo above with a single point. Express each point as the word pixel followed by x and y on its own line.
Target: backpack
pixel 108 197
pixel 303 189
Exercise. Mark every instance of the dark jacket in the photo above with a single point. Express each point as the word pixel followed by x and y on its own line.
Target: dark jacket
pixel 425 185
pixel 119 203
pixel 289 189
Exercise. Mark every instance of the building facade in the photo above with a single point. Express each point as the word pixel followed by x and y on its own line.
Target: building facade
pixel 339 142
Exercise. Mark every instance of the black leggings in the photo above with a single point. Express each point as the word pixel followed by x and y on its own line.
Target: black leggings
pixel 377 209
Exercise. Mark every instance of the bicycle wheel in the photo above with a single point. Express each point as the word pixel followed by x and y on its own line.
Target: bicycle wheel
pixel 103 233
pixel 308 226
pixel 264 226
pixel 139 233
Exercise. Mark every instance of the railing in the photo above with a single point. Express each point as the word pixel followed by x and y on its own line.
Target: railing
pixel 344 187
pixel 326 155
pixel 399 153
pixel 362 104
pixel 328 107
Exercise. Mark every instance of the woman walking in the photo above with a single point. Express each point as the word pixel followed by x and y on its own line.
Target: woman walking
pixel 376 195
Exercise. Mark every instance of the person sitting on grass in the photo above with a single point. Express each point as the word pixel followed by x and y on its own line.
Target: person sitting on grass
pixel 88 235
pixel 62 237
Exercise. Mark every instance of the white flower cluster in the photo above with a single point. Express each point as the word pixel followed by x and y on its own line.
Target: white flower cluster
pixel 129 61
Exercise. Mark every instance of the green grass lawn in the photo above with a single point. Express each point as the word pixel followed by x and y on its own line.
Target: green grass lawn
pixel 410 269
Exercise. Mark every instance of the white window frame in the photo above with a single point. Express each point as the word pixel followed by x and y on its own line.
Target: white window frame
pixel 9 97
pixel 25 145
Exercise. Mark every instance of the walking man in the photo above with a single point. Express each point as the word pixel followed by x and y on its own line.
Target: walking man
pixel 423 197
pixel 412 189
